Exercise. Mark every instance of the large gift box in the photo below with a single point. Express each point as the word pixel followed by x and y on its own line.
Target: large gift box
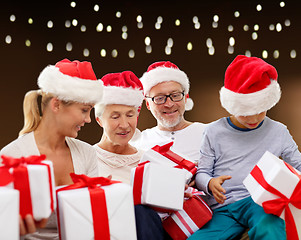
pixel 9 217
pixel 159 186
pixel 163 155
pixel 276 186
pixel 182 224
pixel 96 208
pixel 33 177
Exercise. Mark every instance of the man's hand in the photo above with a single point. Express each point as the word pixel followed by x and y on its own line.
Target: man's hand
pixel 29 225
pixel 215 186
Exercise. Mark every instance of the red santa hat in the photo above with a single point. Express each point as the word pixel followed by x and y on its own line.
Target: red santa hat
pixel 250 87
pixel 71 81
pixel 165 71
pixel 120 88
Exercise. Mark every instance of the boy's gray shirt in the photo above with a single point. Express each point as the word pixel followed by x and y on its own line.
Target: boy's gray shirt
pixel 226 150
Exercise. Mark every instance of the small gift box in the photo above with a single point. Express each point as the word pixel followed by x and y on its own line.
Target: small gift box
pixel 276 186
pixel 182 224
pixel 9 217
pixel 96 208
pixel 158 185
pixel 163 155
pixel 34 179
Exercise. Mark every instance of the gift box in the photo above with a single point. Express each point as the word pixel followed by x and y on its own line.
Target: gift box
pixel 33 177
pixel 96 208
pixel 9 217
pixel 182 224
pixel 276 186
pixel 159 186
pixel 163 155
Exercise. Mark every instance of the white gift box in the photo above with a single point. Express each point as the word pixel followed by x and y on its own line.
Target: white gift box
pixel 161 186
pixel 9 217
pixel 39 183
pixel 75 213
pixel 278 175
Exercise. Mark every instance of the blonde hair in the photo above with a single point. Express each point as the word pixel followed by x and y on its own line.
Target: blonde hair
pixel 31 110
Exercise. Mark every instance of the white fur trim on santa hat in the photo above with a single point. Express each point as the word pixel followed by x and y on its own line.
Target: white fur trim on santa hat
pixel 239 104
pixel 189 104
pixel 164 74
pixel 69 88
pixel 119 95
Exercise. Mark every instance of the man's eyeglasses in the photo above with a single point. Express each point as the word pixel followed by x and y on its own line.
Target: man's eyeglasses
pixel 161 99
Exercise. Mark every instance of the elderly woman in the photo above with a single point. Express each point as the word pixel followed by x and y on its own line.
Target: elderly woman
pixel 68 92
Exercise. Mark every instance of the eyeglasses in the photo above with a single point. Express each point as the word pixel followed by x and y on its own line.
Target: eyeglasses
pixel 161 99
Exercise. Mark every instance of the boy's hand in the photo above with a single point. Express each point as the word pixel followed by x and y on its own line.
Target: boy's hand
pixel 215 186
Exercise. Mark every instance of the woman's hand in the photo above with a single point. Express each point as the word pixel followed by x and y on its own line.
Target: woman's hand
pixel 29 225
pixel 215 186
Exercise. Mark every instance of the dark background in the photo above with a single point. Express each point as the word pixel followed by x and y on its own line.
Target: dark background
pixel 20 64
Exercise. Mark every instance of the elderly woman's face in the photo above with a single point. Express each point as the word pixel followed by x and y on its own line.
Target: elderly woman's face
pixel 119 123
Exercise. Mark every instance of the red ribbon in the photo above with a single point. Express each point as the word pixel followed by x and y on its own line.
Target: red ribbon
pixel 138 181
pixel 21 181
pixel 182 162
pixel 277 206
pixel 97 200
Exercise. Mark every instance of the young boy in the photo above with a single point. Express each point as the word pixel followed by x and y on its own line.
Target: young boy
pixel 232 146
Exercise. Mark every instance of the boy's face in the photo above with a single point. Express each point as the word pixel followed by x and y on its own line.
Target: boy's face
pixel 250 122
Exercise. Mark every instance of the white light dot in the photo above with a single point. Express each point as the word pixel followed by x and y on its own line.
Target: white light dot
pixel 12 18
pixel 265 54
pixel 109 28
pixel 170 42
pixel 214 24
pixel 124 29
pixel 69 46
pixel 83 28
pixel 230 28
pixel 293 54
pixel 209 42
pixel 248 53
pixel 167 50
pixel 74 22
pixel 254 36
pixel 287 22
pixel 258 7
pixel 189 46
pixel 177 22
pixel 159 19
pixel 148 48
pixel 139 18
pixel 195 19
pixel 276 54
pixel 67 23
pixel 157 25
pixel 124 35
pixel 215 18
pixel 118 14
pixel 230 49
pixel 49 47
pixel 131 53
pixel 246 28
pixel 73 4
pixel 27 43
pixel 272 27
pixel 8 39
pixel 278 27
pixel 282 4
pixel 197 25
pixel 96 7
pixel 236 14
pixel 114 53
pixel 140 25
pixel 86 52
pixel 256 27
pixel 147 40
pixel 49 24
pixel 211 50
pixel 231 41
pixel 103 52
pixel 30 20
pixel 99 27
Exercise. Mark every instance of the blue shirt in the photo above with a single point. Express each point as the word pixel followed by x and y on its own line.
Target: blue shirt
pixel 228 150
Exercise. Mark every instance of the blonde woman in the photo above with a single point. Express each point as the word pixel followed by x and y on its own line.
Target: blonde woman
pixel 68 92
